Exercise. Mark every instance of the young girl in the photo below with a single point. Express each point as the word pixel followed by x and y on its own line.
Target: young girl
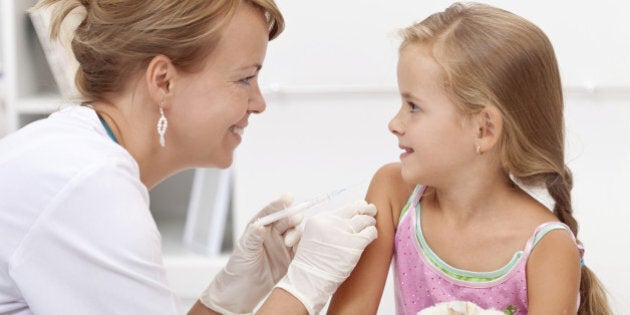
pixel 482 110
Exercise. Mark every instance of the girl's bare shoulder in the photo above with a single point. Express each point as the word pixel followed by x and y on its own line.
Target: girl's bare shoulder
pixel 388 188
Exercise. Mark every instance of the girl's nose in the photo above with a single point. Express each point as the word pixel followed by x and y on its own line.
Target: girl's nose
pixel 394 125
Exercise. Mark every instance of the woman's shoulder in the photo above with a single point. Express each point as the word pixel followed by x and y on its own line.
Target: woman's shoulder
pixel 388 187
pixel 65 148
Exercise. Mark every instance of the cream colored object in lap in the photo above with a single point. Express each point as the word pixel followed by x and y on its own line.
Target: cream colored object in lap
pixel 458 308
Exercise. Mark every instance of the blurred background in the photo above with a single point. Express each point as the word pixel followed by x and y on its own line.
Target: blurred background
pixel 330 86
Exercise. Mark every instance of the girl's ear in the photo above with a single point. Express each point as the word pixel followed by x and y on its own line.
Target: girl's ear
pixel 160 77
pixel 489 128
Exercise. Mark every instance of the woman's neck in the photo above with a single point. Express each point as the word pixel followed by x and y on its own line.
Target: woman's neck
pixel 133 130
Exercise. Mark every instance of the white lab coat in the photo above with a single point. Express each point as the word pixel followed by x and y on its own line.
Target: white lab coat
pixel 76 233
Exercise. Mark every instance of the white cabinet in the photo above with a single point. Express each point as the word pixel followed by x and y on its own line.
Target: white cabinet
pixel 27 84
pixel 2 95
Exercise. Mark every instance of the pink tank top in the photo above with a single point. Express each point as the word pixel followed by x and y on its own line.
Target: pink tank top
pixel 422 279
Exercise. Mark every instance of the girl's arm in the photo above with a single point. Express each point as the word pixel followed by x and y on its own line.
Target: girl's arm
pixel 553 275
pixel 279 302
pixel 361 292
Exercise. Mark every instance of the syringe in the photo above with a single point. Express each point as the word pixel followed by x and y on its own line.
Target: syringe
pixel 302 206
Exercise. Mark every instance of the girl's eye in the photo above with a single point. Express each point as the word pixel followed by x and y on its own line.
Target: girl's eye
pixel 413 107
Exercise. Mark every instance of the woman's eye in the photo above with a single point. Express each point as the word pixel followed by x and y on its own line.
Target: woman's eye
pixel 246 80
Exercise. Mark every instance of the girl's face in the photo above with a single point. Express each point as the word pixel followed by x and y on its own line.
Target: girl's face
pixel 210 108
pixel 437 141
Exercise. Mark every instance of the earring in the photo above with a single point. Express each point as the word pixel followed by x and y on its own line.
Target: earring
pixel 479 150
pixel 162 124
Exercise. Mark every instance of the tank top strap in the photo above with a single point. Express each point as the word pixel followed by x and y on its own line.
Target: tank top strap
pixel 545 228
pixel 416 195
pixel 412 202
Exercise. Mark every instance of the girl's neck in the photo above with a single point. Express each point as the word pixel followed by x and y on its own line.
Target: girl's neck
pixel 471 200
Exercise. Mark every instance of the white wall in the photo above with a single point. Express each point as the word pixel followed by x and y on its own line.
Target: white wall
pixel 330 82
pixel 598 140
pixel 353 42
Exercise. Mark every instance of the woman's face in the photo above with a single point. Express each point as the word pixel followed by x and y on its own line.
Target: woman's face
pixel 210 108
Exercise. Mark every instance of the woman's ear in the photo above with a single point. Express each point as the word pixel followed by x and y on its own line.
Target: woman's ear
pixel 489 128
pixel 160 77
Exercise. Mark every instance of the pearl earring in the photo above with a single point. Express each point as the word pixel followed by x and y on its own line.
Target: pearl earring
pixel 479 150
pixel 162 124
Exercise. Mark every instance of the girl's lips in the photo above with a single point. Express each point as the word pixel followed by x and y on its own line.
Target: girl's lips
pixel 407 151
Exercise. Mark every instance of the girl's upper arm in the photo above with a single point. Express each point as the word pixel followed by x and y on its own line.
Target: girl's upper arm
pixel 361 292
pixel 553 275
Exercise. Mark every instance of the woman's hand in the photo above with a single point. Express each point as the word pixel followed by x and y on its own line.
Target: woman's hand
pixel 329 250
pixel 261 258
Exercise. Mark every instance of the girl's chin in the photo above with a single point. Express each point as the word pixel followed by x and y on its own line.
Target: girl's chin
pixel 409 177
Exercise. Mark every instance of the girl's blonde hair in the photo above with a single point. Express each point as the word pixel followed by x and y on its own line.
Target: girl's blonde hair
pixel 492 57
pixel 117 38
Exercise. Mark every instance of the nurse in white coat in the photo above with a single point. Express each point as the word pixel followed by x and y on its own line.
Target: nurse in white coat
pixel 167 85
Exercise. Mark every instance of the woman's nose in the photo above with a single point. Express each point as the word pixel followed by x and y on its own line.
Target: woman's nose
pixel 257 102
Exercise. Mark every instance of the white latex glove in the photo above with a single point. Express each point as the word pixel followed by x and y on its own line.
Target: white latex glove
pixel 328 252
pixel 458 308
pixel 260 259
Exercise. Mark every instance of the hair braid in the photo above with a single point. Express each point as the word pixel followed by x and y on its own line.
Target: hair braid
pixel 593 300
pixel 559 187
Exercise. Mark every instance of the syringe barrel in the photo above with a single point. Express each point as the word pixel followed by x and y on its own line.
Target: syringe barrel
pixel 294 209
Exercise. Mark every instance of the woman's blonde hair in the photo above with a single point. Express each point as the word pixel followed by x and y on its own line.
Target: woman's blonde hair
pixel 117 38
pixel 492 57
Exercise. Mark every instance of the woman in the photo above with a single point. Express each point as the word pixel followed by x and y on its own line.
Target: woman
pixel 168 85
